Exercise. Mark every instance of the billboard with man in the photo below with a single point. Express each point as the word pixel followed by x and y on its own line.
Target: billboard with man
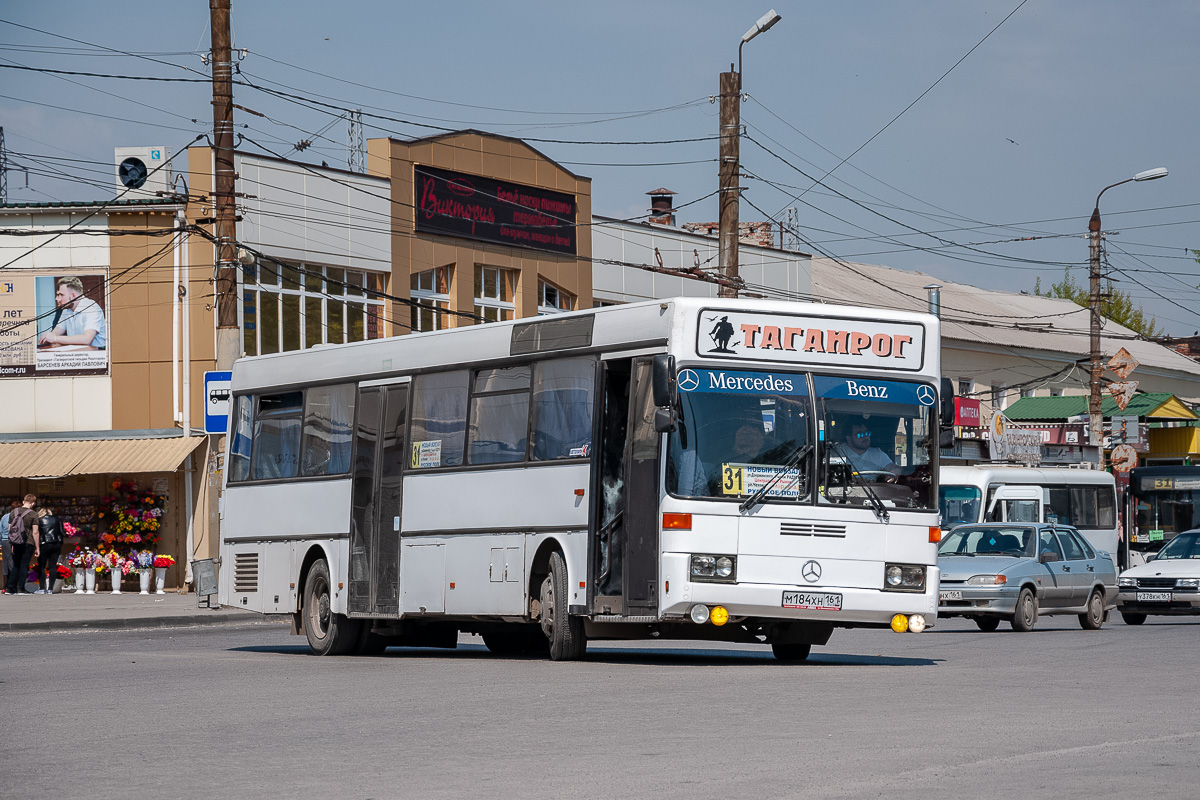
pixel 53 324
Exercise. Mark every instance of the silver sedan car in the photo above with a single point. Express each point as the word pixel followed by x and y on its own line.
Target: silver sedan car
pixel 1168 584
pixel 1015 571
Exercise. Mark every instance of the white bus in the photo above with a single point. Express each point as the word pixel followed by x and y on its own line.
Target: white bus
pixel 732 470
pixel 1083 498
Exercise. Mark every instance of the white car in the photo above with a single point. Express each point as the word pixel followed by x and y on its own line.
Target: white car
pixel 1168 584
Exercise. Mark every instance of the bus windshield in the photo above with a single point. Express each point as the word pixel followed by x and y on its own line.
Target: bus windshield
pixel 737 432
pixel 878 439
pixel 959 504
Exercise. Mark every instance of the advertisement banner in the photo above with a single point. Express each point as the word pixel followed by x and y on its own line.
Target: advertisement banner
pixel 491 210
pixel 966 412
pixel 53 324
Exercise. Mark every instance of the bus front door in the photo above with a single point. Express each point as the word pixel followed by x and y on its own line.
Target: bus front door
pixel 374 568
pixel 626 527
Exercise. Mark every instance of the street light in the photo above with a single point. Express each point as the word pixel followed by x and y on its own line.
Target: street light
pixel 1095 420
pixel 729 164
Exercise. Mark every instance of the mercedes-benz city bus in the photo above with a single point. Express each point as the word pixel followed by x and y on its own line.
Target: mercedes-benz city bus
pixel 733 470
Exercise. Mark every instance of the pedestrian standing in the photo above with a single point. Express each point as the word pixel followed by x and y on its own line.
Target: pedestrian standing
pixel 50 540
pixel 5 548
pixel 23 536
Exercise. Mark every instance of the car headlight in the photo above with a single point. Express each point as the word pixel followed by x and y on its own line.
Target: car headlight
pixel 1188 583
pixel 714 568
pixel 986 580
pixel 1127 581
pixel 904 577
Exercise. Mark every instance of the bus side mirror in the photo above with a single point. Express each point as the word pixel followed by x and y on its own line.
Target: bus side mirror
pixel 664 420
pixel 663 380
pixel 947 403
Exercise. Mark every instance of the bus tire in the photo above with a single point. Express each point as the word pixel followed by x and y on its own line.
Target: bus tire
pixel 987 624
pixel 565 633
pixel 328 634
pixel 1093 618
pixel 1133 619
pixel 1025 615
pixel 790 652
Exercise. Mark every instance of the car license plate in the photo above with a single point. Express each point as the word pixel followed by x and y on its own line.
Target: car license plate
pixel 953 594
pixel 1154 597
pixel 821 601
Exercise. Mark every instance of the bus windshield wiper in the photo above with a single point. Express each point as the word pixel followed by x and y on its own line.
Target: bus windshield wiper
pixel 792 463
pixel 881 512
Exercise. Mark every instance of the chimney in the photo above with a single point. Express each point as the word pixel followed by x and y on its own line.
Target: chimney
pixel 661 212
pixel 935 298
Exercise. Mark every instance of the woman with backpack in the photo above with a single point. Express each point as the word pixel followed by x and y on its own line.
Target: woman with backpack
pixel 23 536
pixel 50 541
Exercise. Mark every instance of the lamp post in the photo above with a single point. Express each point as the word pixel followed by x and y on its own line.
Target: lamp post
pixel 729 164
pixel 1095 420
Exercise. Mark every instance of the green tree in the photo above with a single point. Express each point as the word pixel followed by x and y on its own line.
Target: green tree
pixel 1115 304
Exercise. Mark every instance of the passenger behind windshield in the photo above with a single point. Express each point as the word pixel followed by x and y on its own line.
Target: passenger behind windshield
pixel 1005 541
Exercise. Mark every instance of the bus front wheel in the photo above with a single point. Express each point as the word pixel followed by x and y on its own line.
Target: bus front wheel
pixel 565 633
pixel 328 634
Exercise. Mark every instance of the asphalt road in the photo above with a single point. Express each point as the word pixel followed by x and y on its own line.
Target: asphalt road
pixel 246 713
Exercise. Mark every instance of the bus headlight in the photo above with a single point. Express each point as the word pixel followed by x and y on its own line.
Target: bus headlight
pixel 714 568
pixel 904 577
pixel 699 614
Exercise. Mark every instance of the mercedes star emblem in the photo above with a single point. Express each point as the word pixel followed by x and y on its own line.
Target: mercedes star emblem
pixel 689 381
pixel 811 571
pixel 926 396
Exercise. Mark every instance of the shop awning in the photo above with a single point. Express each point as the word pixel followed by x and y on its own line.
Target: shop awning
pixel 55 459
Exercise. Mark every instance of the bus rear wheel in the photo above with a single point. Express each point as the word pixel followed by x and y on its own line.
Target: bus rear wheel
pixel 568 641
pixel 328 634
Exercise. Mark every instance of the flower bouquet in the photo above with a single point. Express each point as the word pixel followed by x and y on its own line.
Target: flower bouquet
pixel 164 561
pixel 141 559
pixel 70 529
pixel 133 515
pixel 78 558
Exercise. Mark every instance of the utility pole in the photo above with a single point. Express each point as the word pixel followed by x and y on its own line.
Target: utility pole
pixel 224 184
pixel 729 194
pixel 1095 369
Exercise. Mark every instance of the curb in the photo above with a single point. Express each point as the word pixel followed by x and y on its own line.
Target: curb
pixel 143 623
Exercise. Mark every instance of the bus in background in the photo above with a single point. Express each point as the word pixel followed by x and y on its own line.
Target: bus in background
pixel 734 470
pixel 1084 499
pixel 1166 502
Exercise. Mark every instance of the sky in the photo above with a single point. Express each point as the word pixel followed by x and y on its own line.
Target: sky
pixel 964 140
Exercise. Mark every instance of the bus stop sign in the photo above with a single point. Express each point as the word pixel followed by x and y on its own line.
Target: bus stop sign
pixel 217 388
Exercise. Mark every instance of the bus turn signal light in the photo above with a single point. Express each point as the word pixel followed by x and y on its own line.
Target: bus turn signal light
pixel 719 616
pixel 935 535
pixel 676 522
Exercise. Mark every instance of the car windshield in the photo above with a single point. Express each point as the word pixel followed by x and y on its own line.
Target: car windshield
pixel 737 431
pixel 1185 545
pixel 878 438
pixel 989 541
pixel 959 504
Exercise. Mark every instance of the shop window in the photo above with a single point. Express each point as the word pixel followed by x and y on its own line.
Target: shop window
pixel 499 416
pixel 277 437
pixel 562 408
pixel 495 293
pixel 439 419
pixel 552 300
pixel 328 430
pixel 430 290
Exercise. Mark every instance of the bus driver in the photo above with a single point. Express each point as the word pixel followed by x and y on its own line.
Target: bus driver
pixel 865 458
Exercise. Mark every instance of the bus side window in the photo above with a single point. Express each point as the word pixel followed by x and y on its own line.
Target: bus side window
pixel 239 443
pixel 439 419
pixel 328 430
pixel 562 408
pixel 276 451
pixel 499 416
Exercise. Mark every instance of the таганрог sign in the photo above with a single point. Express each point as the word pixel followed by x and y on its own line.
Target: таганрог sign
pixel 490 210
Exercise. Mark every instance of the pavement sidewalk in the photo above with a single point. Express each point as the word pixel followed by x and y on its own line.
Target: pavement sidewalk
pixel 129 610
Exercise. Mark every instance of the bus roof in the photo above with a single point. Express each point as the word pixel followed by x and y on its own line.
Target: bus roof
pixel 646 326
pixel 984 474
